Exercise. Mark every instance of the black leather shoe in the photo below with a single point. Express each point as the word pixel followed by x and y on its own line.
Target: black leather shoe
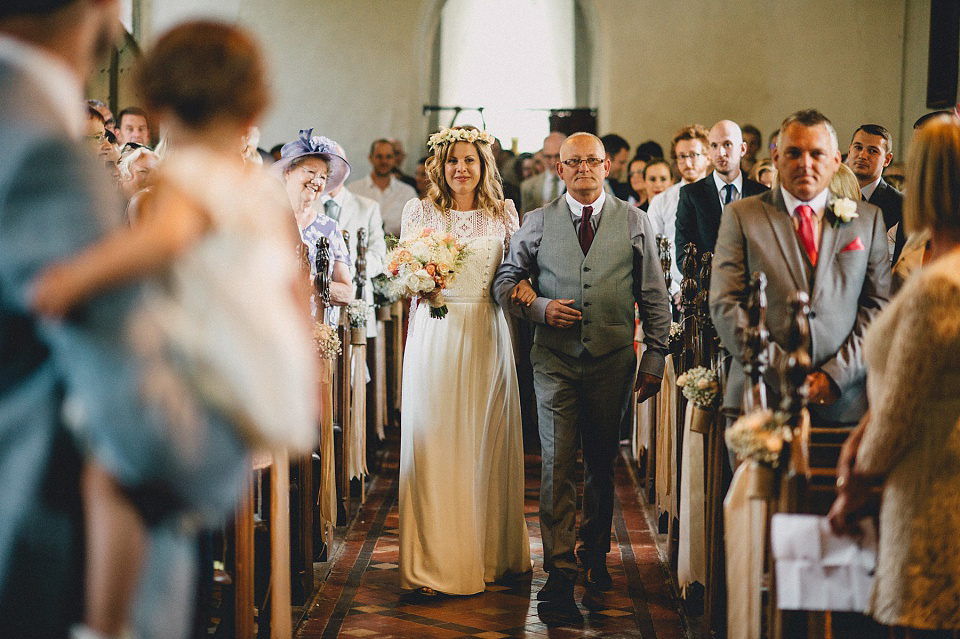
pixel 597 577
pixel 559 587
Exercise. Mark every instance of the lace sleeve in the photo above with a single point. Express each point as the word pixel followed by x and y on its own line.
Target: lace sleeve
pixel 412 219
pixel 512 222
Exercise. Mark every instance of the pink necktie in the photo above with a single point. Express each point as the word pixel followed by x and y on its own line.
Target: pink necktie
pixel 586 229
pixel 805 231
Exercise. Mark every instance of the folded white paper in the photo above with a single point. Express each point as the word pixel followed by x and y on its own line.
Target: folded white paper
pixel 817 570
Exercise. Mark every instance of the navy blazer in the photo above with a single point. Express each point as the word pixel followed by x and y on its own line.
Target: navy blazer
pixel 699 211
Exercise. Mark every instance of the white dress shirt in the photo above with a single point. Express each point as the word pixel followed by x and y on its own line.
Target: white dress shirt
pixel 737 187
pixel 391 200
pixel 663 217
pixel 53 77
pixel 819 205
pixel 867 191
pixel 576 210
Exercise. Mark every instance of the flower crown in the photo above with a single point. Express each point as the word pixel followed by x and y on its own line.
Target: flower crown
pixel 449 136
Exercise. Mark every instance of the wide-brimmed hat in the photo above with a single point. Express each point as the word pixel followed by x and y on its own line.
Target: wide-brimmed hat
pixel 323 147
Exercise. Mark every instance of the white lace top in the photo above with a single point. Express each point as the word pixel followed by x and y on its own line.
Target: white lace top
pixel 488 238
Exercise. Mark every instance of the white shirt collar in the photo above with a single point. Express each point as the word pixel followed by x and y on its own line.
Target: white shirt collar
pixel 737 183
pixel 867 191
pixel 55 79
pixel 818 203
pixel 577 209
pixel 339 198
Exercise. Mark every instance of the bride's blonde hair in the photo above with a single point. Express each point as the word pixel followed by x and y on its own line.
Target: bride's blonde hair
pixel 489 190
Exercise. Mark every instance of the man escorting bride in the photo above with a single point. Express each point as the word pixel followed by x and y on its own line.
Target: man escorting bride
pixel 461 455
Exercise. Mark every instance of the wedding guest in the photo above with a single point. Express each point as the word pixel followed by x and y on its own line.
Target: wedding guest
pixel 754 141
pixel 772 143
pixel 420 175
pixel 523 167
pixel 137 167
pixel 844 183
pixel 637 188
pixel 583 358
pixel 537 162
pixel 657 178
pixel 894 175
pixel 700 204
pixel 383 186
pixel 108 121
pixel 132 126
pixel 764 172
pixel 870 151
pixel 618 152
pixel 545 186
pixel 352 213
pixel 688 149
pixel 399 157
pixel 910 439
pixel 648 151
pixel 310 167
pixel 838 256
pixel 461 462
pixel 96 137
pixel 143 495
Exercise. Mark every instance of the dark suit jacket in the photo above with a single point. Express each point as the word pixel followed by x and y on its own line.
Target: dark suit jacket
pixel 698 213
pixel 890 201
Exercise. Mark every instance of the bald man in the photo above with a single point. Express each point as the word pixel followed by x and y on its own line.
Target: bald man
pixel 591 257
pixel 543 188
pixel 701 203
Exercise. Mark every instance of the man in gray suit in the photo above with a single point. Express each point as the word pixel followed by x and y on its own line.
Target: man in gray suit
pixel 804 239
pixel 52 198
pixel 547 186
pixel 591 257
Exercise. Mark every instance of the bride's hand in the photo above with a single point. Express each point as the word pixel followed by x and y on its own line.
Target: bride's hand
pixel 523 293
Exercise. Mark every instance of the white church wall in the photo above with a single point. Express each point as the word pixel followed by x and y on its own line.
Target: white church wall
pixel 357 70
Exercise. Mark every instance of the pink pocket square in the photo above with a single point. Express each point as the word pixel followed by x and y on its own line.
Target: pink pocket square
pixel 855 245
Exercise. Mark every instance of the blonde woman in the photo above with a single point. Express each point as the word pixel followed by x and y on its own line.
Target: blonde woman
pixel 910 440
pixel 461 455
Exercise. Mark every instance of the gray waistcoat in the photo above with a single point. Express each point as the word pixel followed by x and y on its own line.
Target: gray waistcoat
pixel 600 283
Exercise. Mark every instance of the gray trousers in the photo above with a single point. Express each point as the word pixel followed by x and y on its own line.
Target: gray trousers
pixel 580 402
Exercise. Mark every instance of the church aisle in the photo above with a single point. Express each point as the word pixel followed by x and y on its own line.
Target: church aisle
pixel 361 598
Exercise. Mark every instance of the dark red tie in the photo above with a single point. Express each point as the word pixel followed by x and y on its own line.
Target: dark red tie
pixel 805 231
pixel 586 229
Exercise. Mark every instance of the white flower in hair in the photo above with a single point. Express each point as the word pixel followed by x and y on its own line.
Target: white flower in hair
pixel 449 136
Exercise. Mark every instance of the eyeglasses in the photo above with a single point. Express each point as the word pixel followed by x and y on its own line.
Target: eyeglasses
pixel 574 163
pixel 99 137
pixel 693 157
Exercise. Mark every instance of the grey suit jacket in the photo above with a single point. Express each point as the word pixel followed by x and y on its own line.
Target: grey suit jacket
pixel 850 285
pixel 49 207
pixel 531 193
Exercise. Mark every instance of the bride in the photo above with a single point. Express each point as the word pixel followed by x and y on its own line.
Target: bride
pixel 461 456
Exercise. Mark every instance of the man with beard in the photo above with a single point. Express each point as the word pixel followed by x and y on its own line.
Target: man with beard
pixel 383 186
pixel 869 153
pixel 701 203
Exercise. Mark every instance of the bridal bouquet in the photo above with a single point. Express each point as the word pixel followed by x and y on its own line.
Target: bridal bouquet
pixel 426 262
pixel 699 385
pixel 759 436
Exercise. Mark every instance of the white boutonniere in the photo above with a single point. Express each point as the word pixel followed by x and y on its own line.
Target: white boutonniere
pixel 844 209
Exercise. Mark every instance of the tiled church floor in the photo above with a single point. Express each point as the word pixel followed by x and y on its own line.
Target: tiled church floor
pixel 361 598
